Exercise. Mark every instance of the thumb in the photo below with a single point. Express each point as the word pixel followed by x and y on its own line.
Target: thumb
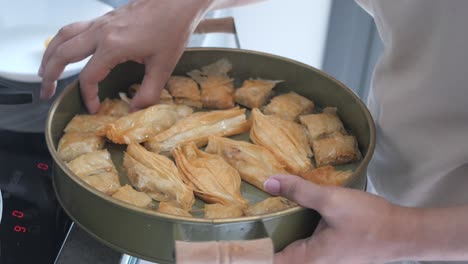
pixel 298 190
pixel 151 87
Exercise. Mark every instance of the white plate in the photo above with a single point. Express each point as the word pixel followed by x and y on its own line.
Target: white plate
pixel 25 25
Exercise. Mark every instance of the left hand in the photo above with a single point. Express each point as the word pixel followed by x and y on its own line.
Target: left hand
pixel 152 32
pixel 356 227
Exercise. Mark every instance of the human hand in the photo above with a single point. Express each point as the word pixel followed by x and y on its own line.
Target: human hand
pixel 151 32
pixel 356 227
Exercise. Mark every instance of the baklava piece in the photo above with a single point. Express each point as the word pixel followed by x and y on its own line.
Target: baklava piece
pixel 88 123
pixel 269 205
pixel 98 170
pixel 217 211
pixel 141 125
pixel 323 124
pixel 198 127
pixel 328 175
pixel 254 93
pixel 335 150
pixel 253 162
pixel 217 88
pixel 185 91
pixel 211 177
pixel 131 196
pixel 285 139
pixel 164 98
pixel 169 208
pixel 289 106
pixel 157 176
pixel 113 107
pixel 74 144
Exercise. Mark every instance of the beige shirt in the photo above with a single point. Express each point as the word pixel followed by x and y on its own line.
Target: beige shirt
pixel 419 100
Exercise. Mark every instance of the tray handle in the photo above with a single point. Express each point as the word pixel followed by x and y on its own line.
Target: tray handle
pixel 258 251
pixel 244 242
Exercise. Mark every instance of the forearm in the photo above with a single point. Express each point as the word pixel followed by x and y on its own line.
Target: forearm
pixel 201 7
pixel 218 25
pixel 432 234
pixel 220 4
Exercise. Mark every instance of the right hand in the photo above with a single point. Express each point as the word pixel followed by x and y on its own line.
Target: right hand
pixel 152 32
pixel 356 227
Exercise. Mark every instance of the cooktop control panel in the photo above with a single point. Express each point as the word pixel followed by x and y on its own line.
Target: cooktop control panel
pixel 33 226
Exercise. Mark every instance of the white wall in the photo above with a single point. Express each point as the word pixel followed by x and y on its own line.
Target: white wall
pixel 295 29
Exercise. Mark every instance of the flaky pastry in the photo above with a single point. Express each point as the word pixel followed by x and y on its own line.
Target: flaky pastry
pixel 141 125
pixel 157 176
pixel 198 127
pixel 253 162
pixel 211 177
pixel 217 88
pixel 285 139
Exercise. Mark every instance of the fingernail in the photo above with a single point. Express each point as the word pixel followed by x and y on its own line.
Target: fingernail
pixel 47 89
pixel 42 94
pixel 94 105
pixel 273 186
pixel 41 71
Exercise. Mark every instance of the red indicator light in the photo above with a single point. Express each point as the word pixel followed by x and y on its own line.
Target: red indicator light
pixel 42 166
pixel 20 229
pixel 17 214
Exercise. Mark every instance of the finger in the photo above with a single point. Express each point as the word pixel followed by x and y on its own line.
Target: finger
pixel 296 252
pixel 156 74
pixel 314 249
pixel 296 189
pixel 73 50
pixel 95 71
pixel 64 34
pixel 320 227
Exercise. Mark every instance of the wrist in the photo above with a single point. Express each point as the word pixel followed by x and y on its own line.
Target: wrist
pixel 404 234
pixel 199 8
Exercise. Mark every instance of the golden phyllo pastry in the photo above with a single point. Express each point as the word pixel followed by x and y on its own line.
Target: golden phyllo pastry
pixel 286 140
pixel 327 175
pixel 74 144
pixel 289 106
pixel 157 176
pixel 169 208
pixel 323 124
pixel 164 98
pixel 214 211
pixel 254 93
pixel 131 196
pixel 198 127
pixel 217 88
pixel 253 162
pixel 113 107
pixel 185 91
pixel 335 150
pixel 141 125
pixel 297 131
pixel 211 177
pixel 88 123
pixel 98 170
pixel 269 205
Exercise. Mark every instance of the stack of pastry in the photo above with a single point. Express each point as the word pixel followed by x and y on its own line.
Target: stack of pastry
pixel 164 162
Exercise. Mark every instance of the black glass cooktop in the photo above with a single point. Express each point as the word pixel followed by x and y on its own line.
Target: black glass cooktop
pixel 33 226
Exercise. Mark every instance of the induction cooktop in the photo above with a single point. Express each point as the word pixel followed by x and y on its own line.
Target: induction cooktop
pixel 33 226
